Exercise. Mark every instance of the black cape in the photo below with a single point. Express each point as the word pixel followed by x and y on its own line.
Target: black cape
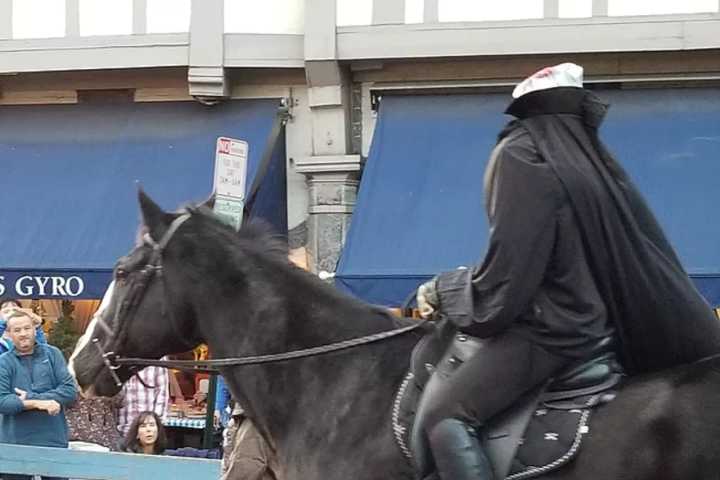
pixel 660 317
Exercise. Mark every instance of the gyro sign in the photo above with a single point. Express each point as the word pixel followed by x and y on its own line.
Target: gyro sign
pixel 59 285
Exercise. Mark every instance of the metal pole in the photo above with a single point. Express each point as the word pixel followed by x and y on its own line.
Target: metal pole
pixel 210 413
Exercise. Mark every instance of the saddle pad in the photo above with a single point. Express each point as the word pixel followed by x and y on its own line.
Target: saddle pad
pixel 551 440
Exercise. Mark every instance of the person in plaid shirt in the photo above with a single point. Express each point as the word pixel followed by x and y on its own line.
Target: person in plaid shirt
pixel 136 397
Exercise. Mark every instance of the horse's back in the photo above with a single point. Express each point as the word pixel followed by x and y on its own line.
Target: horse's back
pixel 660 427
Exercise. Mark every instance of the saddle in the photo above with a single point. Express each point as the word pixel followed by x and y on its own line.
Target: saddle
pixel 541 432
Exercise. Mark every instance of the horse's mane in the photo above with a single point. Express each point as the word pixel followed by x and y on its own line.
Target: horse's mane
pixel 257 236
pixel 254 232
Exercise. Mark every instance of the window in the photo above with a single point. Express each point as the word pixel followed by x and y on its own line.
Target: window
pixel 38 18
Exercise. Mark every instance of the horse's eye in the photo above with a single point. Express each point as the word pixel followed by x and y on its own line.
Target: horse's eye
pixel 121 274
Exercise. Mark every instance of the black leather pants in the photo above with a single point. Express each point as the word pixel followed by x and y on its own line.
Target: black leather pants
pixel 506 367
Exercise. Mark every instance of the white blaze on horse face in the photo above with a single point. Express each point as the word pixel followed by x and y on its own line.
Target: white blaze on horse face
pixel 90 330
pixel 82 343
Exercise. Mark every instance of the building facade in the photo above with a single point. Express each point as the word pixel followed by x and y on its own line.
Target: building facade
pixel 331 62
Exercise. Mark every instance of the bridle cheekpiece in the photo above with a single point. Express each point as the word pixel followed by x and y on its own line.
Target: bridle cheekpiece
pixel 137 292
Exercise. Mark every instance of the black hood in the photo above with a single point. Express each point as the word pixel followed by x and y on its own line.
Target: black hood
pixel 560 100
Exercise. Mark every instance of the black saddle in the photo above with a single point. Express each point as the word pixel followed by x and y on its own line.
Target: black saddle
pixel 569 397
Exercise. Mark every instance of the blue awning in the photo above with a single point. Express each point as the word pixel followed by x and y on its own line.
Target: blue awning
pixel 419 209
pixel 69 173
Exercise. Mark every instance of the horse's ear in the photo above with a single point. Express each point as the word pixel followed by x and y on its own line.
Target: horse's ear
pixel 154 218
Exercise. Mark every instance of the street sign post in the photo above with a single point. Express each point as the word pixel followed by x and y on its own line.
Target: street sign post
pixel 230 178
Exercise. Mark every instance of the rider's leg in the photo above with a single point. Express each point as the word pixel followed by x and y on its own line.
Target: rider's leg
pixel 505 368
pixel 457 451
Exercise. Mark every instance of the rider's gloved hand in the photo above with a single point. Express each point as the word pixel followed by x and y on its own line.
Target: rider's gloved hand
pixel 427 298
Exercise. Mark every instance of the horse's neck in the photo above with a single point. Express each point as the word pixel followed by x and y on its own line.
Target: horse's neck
pixel 341 402
pixel 312 396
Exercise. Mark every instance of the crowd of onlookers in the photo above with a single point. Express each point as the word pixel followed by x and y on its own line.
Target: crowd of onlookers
pixel 40 406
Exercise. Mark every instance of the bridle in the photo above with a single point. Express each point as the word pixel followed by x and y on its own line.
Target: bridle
pixel 154 267
pixel 137 292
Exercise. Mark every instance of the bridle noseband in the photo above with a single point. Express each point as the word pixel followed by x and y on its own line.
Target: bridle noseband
pixel 113 362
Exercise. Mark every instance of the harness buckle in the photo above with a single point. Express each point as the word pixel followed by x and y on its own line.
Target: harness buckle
pixel 108 358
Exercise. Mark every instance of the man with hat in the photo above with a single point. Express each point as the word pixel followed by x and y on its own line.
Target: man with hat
pixel 575 258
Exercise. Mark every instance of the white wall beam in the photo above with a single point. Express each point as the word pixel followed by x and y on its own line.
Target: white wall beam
pixel 600 8
pixel 6 8
pixel 320 21
pixel 72 18
pixel 388 12
pixel 139 26
pixel 551 8
pixel 206 72
pixel 431 13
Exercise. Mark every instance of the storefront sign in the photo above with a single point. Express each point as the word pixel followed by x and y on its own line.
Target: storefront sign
pixel 80 285
pixel 230 177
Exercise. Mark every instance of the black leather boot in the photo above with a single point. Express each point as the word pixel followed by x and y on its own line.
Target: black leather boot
pixel 457 452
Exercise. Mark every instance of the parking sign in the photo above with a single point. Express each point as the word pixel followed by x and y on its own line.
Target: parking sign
pixel 229 180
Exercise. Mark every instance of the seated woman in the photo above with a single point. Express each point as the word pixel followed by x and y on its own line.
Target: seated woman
pixel 147 435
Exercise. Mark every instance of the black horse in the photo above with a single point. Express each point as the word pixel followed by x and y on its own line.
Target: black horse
pixel 329 416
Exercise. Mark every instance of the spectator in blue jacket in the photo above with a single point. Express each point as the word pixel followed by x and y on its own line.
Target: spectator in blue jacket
pixel 223 403
pixel 35 387
pixel 6 305
pixel 223 407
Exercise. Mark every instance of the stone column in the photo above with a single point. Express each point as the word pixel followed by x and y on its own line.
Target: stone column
pixel 333 169
pixel 332 185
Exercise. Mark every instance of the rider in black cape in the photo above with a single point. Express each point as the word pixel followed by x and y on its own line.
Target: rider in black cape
pixel 575 256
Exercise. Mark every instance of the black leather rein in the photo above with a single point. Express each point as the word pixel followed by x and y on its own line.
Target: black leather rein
pixel 212 366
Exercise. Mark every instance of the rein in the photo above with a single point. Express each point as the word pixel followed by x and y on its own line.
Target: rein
pixel 211 366
pixel 113 361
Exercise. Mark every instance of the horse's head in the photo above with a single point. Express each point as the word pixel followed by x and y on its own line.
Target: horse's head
pixel 147 311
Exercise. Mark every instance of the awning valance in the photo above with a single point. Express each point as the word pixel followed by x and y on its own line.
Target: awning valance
pixel 69 175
